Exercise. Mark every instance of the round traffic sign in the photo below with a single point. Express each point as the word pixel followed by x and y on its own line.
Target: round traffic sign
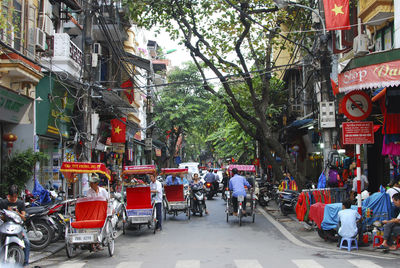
pixel 357 105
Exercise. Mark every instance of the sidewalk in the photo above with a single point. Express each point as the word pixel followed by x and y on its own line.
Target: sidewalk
pixel 35 256
pixel 309 236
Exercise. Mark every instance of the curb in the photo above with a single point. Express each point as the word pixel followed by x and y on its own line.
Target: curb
pixel 300 243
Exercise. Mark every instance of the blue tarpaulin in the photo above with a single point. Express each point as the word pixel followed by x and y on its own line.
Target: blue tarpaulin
pixel 379 203
pixel 44 195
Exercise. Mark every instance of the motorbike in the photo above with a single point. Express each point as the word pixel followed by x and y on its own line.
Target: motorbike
pixel 268 192
pixel 55 212
pixel 40 227
pixel 287 201
pixel 11 238
pixel 210 191
pixel 197 200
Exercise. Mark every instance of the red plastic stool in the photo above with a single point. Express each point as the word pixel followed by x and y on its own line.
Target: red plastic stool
pixel 377 238
pixel 398 241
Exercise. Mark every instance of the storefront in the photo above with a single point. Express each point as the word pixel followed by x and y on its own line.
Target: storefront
pixel 16 117
pixel 379 75
pixel 54 121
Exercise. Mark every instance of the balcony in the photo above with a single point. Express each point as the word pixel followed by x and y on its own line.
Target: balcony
pixel 376 12
pixel 18 69
pixel 65 55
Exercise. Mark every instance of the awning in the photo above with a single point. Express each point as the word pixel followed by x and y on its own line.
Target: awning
pixel 300 123
pixel 137 61
pixel 381 69
pixel 112 98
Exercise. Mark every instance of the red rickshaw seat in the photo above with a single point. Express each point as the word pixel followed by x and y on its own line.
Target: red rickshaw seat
pixel 138 198
pixel 90 214
pixel 174 193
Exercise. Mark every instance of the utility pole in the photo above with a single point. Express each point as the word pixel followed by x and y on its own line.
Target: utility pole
pixel 87 78
pixel 149 118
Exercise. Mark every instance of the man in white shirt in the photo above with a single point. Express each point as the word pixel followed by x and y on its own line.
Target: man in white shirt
pixel 349 219
pixel 95 190
pixel 157 195
pixel 391 228
pixel 394 190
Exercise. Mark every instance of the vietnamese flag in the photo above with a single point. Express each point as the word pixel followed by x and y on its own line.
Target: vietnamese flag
pixel 118 129
pixel 337 15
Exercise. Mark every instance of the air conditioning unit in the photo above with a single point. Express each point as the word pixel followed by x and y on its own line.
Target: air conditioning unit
pixel 96 48
pixel 360 45
pixel 40 40
pixel 46 24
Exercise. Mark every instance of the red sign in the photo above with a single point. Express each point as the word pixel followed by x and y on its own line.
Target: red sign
pixel 81 167
pixel 372 76
pixel 144 169
pixel 358 133
pixel 356 105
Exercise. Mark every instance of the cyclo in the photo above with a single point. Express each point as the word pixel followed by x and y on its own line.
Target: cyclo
pixel 250 196
pixel 139 208
pixel 176 197
pixel 91 223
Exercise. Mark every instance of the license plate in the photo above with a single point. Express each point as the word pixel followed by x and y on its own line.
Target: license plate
pixel 240 198
pixel 82 238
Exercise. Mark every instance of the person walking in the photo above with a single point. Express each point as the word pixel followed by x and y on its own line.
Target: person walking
pixel 157 194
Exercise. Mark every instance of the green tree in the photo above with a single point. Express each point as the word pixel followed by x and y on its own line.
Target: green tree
pixel 19 168
pixel 180 108
pixel 235 40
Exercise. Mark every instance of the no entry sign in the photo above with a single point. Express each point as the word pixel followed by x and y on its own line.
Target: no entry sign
pixel 358 133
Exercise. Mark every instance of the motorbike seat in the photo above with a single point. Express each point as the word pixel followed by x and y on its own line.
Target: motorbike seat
pixel 35 210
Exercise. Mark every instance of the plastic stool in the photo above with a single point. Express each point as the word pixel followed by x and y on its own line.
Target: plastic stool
pixel 378 240
pixel 349 242
pixel 398 242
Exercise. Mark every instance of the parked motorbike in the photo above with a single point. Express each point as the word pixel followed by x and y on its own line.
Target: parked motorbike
pixel 287 201
pixel 197 200
pixel 11 238
pixel 40 227
pixel 55 212
pixel 268 192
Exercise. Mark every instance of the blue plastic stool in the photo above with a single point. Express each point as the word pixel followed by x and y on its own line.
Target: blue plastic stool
pixel 349 244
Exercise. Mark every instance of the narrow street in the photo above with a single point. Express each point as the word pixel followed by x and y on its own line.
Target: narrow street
pixel 212 242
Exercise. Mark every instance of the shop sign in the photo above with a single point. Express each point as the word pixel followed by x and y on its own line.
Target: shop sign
pixel 358 132
pixel 158 152
pixel 119 147
pixel 54 112
pixel 12 106
pixel 373 76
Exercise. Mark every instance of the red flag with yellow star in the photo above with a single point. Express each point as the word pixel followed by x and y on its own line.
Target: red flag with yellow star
pixel 337 16
pixel 118 129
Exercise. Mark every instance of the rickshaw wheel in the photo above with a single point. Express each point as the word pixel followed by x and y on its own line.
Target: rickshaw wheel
pixel 69 249
pixel 227 216
pixel 124 222
pixel 240 217
pixel 165 213
pixel 110 242
pixel 188 213
pixel 254 216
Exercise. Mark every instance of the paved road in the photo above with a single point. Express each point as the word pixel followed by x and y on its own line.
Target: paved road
pixel 212 242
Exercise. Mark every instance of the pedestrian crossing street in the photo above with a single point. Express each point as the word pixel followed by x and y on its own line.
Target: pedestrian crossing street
pixel 244 263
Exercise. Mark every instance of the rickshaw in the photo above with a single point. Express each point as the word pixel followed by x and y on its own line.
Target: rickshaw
pixel 250 196
pixel 139 209
pixel 90 224
pixel 176 197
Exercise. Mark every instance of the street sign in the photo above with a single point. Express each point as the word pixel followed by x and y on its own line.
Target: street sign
pixel 356 105
pixel 358 133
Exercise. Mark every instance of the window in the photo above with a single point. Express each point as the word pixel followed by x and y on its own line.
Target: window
pixel 11 23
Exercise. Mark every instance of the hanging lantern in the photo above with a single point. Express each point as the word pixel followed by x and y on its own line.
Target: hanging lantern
pixel 10 138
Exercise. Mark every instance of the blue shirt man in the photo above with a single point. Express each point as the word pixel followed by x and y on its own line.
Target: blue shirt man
pixel 173 180
pixel 210 177
pixel 236 185
pixel 348 221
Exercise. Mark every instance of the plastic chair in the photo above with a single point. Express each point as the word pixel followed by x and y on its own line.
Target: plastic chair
pixel 349 244
pixel 377 241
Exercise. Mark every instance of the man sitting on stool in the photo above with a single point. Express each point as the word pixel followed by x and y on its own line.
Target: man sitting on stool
pixel 392 227
pixel 350 223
